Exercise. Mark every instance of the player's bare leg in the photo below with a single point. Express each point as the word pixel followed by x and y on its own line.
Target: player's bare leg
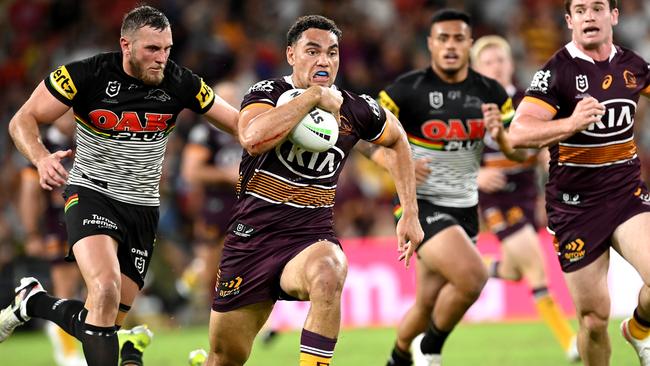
pixel 466 274
pixel 232 333
pixel 523 256
pixel 317 274
pixel 632 240
pixel 418 317
pixel 465 277
pixel 588 288
pixel 522 252
pixel 97 260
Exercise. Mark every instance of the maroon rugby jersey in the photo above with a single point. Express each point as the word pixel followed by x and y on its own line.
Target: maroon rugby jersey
pixel 602 158
pixel 288 189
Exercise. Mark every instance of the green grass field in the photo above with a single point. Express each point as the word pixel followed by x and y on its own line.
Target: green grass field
pixel 509 344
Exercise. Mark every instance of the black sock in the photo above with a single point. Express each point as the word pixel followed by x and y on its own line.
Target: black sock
pixel 100 345
pixel 540 292
pixel 433 340
pixel 399 358
pixel 130 355
pixel 639 319
pixel 70 315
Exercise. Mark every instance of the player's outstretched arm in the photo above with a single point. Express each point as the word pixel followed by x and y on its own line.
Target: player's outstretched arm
pixel 261 127
pixel 530 127
pixel 41 107
pixel 223 116
pixel 397 159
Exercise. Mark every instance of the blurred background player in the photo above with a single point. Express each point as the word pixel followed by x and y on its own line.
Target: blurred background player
pixel 210 167
pixel 446 109
pixel 508 200
pixel 41 214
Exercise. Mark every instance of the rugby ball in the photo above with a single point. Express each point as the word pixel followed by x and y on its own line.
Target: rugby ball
pixel 318 131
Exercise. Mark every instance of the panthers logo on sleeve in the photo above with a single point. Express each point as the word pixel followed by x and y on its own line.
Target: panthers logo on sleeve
pixel 62 82
pixel 205 95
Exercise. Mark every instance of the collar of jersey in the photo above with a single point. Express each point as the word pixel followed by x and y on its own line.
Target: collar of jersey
pixel 575 52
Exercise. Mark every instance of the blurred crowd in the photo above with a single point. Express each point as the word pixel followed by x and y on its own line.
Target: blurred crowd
pixel 238 42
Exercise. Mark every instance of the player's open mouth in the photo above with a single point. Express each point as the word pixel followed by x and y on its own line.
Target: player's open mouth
pixel 590 31
pixel 321 76
pixel 451 57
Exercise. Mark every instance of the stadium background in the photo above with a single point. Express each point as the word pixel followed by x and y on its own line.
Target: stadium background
pixel 243 42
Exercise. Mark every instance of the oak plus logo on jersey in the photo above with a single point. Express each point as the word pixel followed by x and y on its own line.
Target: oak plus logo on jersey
pixel 618 118
pixel 129 125
pixel 453 135
pixel 309 164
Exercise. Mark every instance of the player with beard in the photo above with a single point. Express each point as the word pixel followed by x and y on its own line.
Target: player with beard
pixel 446 110
pixel 125 105
pixel 582 104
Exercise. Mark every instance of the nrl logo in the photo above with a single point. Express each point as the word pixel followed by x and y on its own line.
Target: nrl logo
pixel 139 264
pixel 582 83
pixel 435 100
pixel 113 88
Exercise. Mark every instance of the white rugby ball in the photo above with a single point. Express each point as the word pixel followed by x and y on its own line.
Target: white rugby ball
pixel 318 131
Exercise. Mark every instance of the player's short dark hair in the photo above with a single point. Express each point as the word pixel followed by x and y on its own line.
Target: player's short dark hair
pixel 444 15
pixel 144 16
pixel 311 21
pixel 567 5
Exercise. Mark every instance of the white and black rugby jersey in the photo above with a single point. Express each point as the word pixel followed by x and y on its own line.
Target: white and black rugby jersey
pixel 444 123
pixel 123 124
